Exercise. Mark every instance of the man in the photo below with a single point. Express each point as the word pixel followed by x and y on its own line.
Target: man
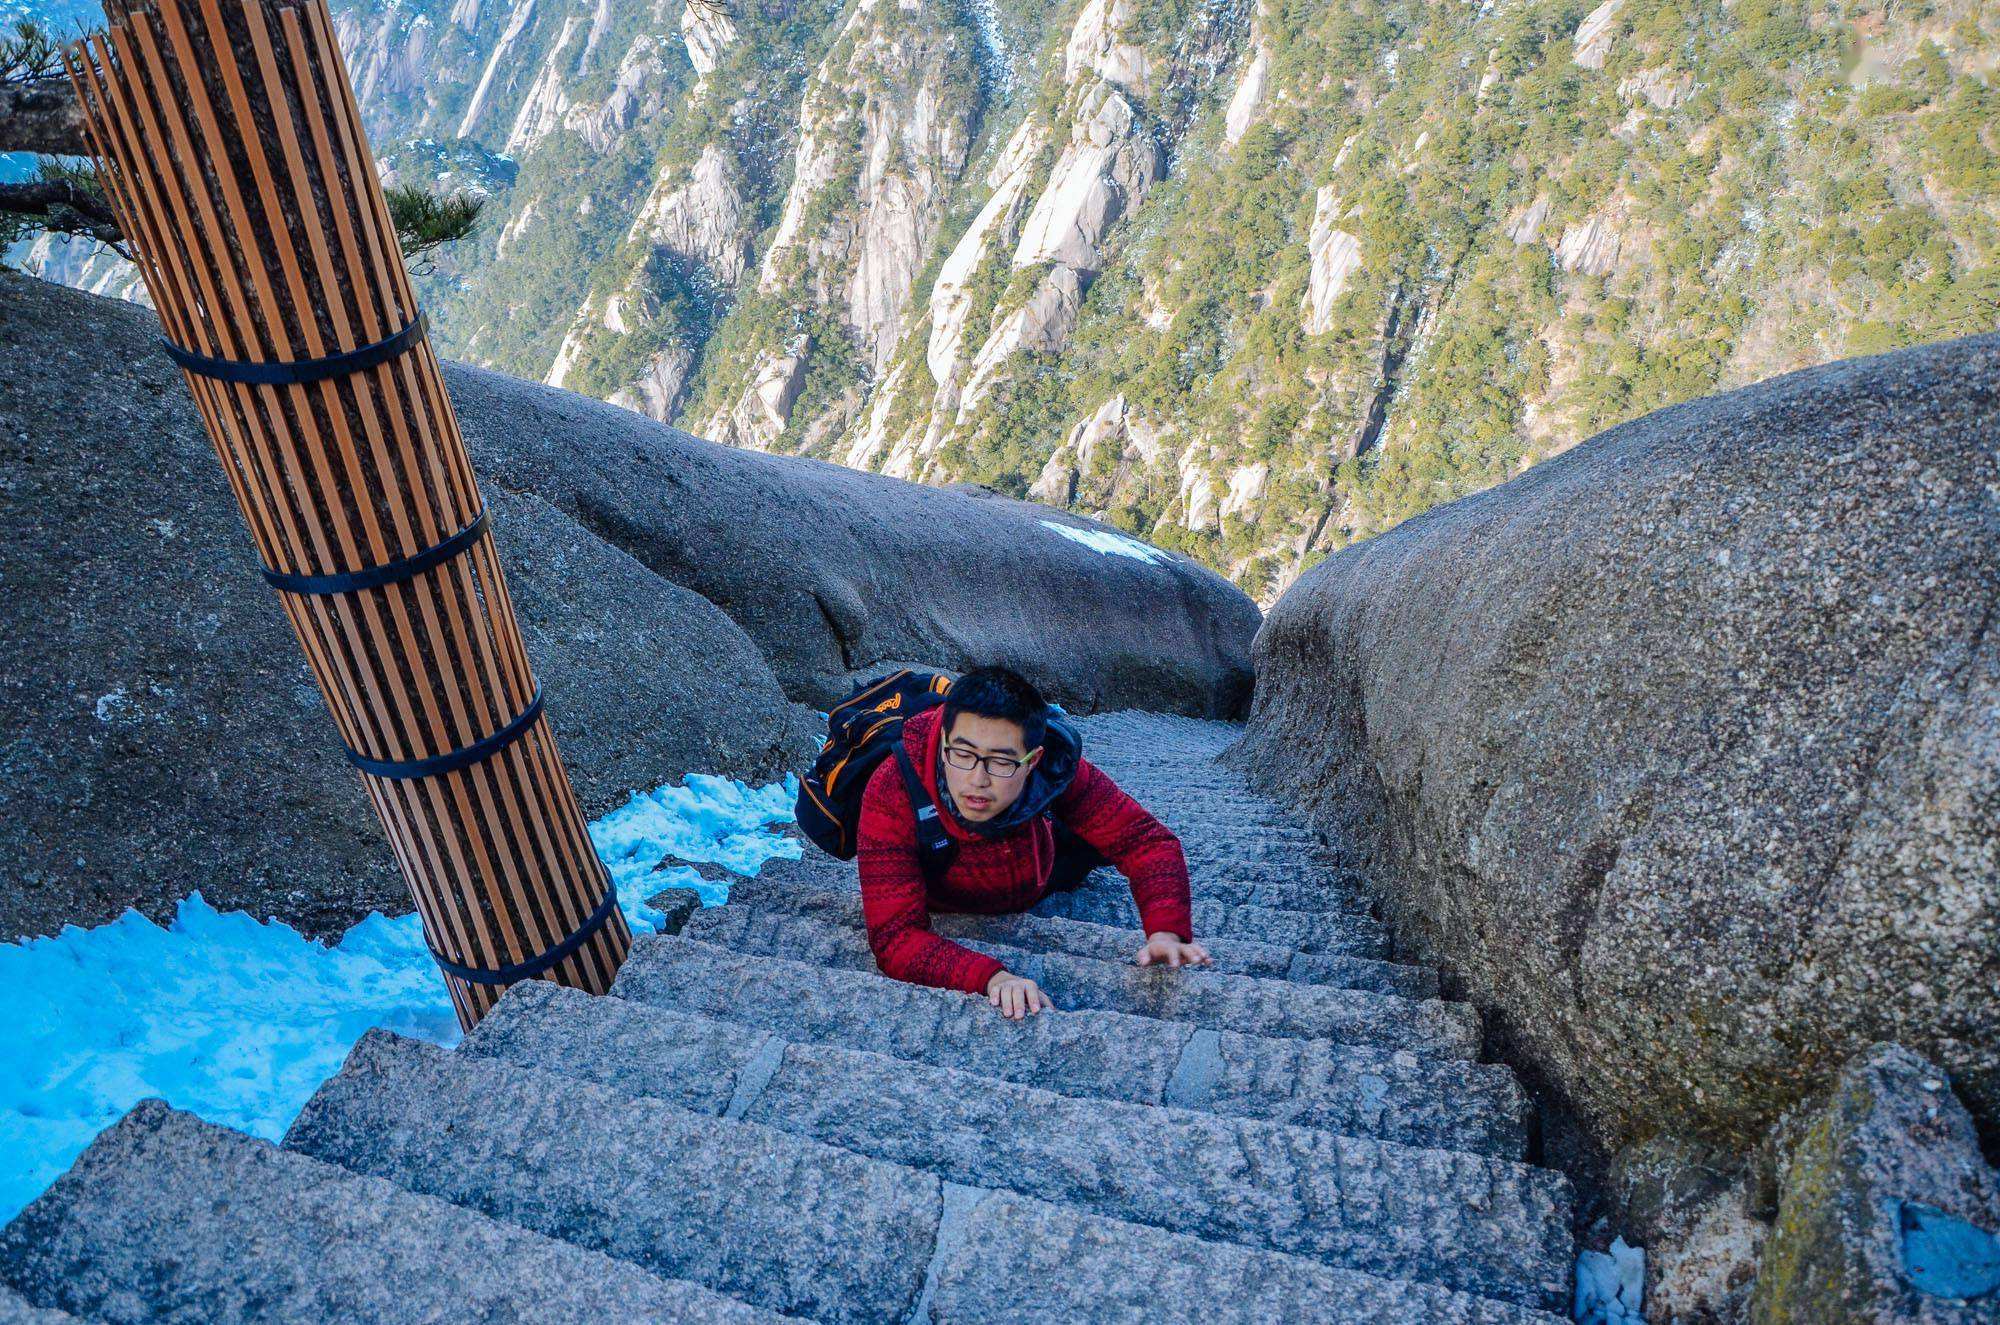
pixel 997 767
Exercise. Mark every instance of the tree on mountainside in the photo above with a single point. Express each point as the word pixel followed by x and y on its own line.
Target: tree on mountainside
pixel 40 114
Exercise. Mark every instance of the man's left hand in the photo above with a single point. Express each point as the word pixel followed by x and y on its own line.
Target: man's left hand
pixel 1165 948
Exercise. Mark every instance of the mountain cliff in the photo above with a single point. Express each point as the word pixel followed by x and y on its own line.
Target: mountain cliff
pixel 1252 279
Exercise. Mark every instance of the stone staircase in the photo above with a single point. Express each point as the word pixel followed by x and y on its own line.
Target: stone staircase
pixel 758 1126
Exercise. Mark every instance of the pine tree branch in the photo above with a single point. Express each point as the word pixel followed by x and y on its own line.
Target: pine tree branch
pixel 66 205
pixel 39 111
pixel 41 115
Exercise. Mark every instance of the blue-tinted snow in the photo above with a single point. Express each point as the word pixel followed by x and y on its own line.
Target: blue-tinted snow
pixel 1110 543
pixel 239 1020
pixel 1610 1286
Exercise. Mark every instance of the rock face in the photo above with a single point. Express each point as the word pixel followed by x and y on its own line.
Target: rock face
pixel 1114 440
pixel 893 177
pixel 1593 35
pixel 708 30
pixel 1042 323
pixel 1103 172
pixel 1336 256
pixel 1527 227
pixel 950 301
pixel 656 390
pixel 839 575
pixel 1590 247
pixel 1098 44
pixel 165 734
pixel 884 129
pixel 766 404
pixel 1886 1211
pixel 700 216
pixel 1664 88
pixel 1248 98
pixel 1682 749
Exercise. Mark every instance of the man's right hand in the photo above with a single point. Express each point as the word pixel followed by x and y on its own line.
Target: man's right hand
pixel 1015 995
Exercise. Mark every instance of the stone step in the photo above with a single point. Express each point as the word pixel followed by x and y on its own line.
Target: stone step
pixel 1219 999
pixel 754 902
pixel 1284 868
pixel 1297 891
pixel 1254 856
pixel 1024 1260
pixel 1339 933
pixel 17 1310
pixel 761 1213
pixel 169 1218
pixel 1219 815
pixel 1219 839
pixel 1138 733
pixel 1135 752
pixel 1270 1008
pixel 1393 1095
pixel 1167 772
pixel 1287 889
pixel 1184 782
pixel 1235 851
pixel 1485 1225
pixel 773 1220
pixel 1206 834
pixel 1310 968
pixel 1187 786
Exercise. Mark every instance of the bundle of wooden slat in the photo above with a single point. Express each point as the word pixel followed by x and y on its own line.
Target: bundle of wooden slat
pixel 228 138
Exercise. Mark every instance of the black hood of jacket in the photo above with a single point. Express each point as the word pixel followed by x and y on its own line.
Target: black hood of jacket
pixel 1062 750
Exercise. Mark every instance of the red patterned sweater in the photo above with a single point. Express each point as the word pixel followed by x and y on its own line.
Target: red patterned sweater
pixel 994 875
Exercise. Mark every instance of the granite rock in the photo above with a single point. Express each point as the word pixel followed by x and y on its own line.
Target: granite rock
pixel 1681 749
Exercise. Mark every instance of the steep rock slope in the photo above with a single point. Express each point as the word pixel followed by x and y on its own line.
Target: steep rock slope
pixel 838 575
pixel 1680 750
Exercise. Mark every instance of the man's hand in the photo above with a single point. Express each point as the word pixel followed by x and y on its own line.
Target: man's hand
pixel 1015 995
pixel 1166 947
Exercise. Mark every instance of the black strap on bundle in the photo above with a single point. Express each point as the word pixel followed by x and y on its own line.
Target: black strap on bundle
pixel 297 371
pixel 453 760
pixel 533 966
pixel 377 577
pixel 275 372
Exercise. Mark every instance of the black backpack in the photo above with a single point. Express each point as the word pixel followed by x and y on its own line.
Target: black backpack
pixel 861 731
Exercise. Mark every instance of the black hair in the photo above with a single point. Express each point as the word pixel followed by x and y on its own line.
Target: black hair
pixel 997 692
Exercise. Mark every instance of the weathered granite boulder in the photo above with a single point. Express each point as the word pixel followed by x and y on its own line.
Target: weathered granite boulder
pixel 839 575
pixel 1887 1213
pixel 163 733
pixel 1702 1214
pixel 1681 750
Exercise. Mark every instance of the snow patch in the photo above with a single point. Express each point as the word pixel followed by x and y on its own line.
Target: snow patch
pixel 712 819
pixel 1610 1285
pixel 240 1020
pixel 1111 544
pixel 235 1019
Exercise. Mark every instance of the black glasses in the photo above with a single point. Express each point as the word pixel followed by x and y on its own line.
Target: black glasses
pixel 998 766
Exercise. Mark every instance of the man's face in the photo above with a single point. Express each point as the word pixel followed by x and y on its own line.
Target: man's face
pixel 978 793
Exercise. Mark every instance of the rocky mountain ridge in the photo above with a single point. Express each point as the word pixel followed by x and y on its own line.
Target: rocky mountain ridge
pixel 1250 280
